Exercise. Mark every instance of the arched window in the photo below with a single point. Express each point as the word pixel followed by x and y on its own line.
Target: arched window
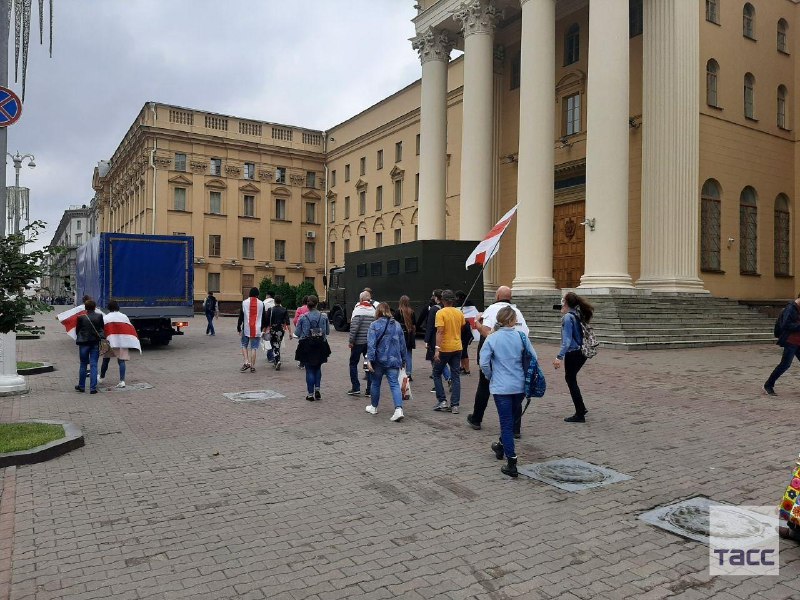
pixel 782 92
pixel 748 231
pixel 749 95
pixel 782 235
pixel 782 44
pixel 572 43
pixel 710 229
pixel 749 21
pixel 712 72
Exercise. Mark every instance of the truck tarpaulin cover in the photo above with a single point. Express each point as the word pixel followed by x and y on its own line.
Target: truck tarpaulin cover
pixel 138 270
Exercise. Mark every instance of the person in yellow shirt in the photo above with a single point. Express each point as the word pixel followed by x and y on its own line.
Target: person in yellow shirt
pixel 449 321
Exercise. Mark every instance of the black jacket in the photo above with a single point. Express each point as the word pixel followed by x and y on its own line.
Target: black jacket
pixel 790 322
pixel 87 332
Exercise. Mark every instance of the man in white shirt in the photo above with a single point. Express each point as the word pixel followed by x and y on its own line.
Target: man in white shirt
pixel 485 326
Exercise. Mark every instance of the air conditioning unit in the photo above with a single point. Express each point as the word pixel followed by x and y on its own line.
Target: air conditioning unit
pixel 311 234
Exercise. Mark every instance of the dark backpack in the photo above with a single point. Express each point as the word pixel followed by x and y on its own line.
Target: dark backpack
pixel 210 305
pixel 781 321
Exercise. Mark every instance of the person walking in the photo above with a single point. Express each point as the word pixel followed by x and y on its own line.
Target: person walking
pixel 405 316
pixel 210 309
pixel 386 353
pixel 430 335
pixel 269 300
pixel 788 330
pixel 574 309
pixel 502 365
pixel 251 325
pixel 121 336
pixel 447 351
pixel 360 321
pixel 277 318
pixel 301 310
pixel 485 326
pixel 312 348
pixel 88 333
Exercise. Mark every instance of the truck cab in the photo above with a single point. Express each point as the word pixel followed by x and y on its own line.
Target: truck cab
pixel 338 314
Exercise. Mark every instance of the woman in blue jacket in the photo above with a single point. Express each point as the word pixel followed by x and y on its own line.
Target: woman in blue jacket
pixel 386 353
pixel 573 310
pixel 501 363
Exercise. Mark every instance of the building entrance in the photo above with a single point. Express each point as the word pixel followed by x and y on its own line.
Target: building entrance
pixel 568 243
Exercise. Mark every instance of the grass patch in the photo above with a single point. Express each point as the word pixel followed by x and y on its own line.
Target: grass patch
pixel 28 365
pixel 24 436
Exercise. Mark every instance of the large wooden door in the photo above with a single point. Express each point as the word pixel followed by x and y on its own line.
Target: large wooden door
pixel 568 244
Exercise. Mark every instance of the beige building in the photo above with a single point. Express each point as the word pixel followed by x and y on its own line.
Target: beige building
pixel 249 192
pixel 74 229
pixel 649 144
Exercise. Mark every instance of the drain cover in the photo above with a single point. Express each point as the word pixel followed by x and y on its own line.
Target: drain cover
pixel 572 475
pixel 691 519
pixel 253 396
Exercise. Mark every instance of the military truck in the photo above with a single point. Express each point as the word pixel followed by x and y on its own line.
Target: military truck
pixel 413 269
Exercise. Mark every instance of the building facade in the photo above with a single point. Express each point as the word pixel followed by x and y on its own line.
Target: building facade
pixel 74 229
pixel 649 145
pixel 249 192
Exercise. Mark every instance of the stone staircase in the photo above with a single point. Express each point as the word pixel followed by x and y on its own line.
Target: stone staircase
pixel 655 321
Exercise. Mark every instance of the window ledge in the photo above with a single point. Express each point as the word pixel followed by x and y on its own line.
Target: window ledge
pixel 178 210
pixel 784 276
pixel 751 119
pixel 715 107
pixel 784 52
pixel 309 223
pixel 214 255
pixel 280 260
pixel 210 214
pixel 717 23
pixel 747 37
pixel 249 218
pixel 280 220
pixel 715 271
pixel 786 129
pixel 746 274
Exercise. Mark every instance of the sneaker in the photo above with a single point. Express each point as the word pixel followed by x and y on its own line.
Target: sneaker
pixel 454 409
pixel 252 369
pixel 79 389
pixel 244 368
pixel 121 384
pixel 101 379
pixel 317 395
pixel 576 419
pixel 398 415
pixel 433 390
pixel 310 398
pixel 368 393
pixel 472 423
pixel 353 392
pixel 278 366
pixel 768 390
pixel 93 392
pixel 373 410
pixel 441 406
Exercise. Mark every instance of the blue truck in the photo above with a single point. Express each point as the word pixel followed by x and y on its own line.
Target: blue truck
pixel 150 276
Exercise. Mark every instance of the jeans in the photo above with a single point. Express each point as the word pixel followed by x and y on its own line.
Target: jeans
pixel 89 354
pixel 210 328
pixel 409 362
pixel 394 384
pixel 452 360
pixel 313 378
pixel 789 352
pixel 573 361
pixel 482 401
pixel 356 352
pixel 508 407
pixel 120 362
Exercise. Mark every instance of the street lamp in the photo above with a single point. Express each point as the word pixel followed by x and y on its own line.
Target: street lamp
pixel 18 201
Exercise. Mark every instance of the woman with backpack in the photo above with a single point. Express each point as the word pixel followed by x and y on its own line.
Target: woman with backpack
pixel 574 311
pixel 386 353
pixel 312 348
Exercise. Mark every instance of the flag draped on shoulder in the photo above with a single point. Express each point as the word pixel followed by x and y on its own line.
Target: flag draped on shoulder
pixel 69 319
pixel 484 251
pixel 119 332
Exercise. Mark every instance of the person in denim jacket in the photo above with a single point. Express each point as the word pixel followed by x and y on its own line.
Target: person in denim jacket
pixel 386 353
pixel 573 310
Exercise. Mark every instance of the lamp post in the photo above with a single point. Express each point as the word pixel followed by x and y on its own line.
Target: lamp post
pixel 17 199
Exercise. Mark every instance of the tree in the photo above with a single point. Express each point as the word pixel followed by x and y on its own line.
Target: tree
pixel 305 289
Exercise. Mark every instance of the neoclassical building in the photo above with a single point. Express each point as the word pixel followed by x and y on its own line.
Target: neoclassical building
pixel 649 145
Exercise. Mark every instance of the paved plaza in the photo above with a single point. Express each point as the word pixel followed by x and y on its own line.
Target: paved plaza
pixel 181 492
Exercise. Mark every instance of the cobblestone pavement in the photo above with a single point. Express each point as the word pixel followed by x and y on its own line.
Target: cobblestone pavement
pixel 182 493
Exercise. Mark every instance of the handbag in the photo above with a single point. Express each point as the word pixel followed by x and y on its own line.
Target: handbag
pixel 105 345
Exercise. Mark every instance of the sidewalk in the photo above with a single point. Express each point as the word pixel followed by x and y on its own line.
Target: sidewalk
pixel 182 493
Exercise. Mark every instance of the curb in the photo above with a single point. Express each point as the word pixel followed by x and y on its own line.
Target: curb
pixel 73 438
pixel 45 368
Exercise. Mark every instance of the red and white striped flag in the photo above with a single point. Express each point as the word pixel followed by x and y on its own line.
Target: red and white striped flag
pixel 484 251
pixel 119 331
pixel 69 319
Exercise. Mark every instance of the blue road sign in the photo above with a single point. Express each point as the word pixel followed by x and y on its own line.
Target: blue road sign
pixel 10 107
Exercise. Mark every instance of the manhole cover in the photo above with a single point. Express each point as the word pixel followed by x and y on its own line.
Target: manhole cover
pixel 253 396
pixel 572 475
pixel 692 519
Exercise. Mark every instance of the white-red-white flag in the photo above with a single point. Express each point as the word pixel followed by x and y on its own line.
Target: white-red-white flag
pixel 119 331
pixel 484 251
pixel 69 319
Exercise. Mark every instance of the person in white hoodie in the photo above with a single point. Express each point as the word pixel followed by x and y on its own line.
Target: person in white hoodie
pixel 362 317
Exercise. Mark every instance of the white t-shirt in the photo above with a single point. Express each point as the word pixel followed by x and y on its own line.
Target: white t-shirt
pixel 490 316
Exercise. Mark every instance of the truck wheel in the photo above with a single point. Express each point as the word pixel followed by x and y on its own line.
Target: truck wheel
pixel 338 320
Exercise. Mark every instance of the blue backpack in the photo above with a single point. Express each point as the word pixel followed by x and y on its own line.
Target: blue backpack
pixel 535 384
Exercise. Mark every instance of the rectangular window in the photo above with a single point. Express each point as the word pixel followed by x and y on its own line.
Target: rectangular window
pixel 280 279
pixel 398 152
pixel 362 242
pixel 178 233
pixel 78 225
pixel 416 187
pixel 417 144
pixel 712 11
pixel 516 70
pixel 79 238
pixel 362 166
pixel 248 248
pixel 398 192
pixel 215 245
pixel 332 211
pixel 215 203
pixel 572 114
pixel 180 161
pixel 393 267
pixel 379 198
pixel 216 166
pixel 311 251
pixel 361 270
pixel 347 173
pixel 380 160
pixel 346 246
pixel 249 206
pixel 362 202
pixel 398 236
pixel 249 170
pixel 379 240
pixel 311 212
pixel 346 207
pixel 333 178
pixel 635 18
pixel 179 202
pixel 311 179
pixel 248 281
pixel 280 209
pixel 332 253
pixel 412 265
pixel 376 269
pixel 280 249
pixel 280 175
pixel 213 282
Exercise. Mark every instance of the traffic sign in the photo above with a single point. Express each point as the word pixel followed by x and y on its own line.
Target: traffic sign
pixel 10 107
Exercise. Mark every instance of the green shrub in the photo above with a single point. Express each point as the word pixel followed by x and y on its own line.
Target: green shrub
pixel 304 289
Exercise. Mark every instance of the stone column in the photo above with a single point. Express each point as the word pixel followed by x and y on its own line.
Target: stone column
pixel 670 147
pixel 534 269
pixel 434 51
pixel 478 18
pixel 607 147
pixel 10 382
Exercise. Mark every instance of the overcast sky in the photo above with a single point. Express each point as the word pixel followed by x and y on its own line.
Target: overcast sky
pixel 312 63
